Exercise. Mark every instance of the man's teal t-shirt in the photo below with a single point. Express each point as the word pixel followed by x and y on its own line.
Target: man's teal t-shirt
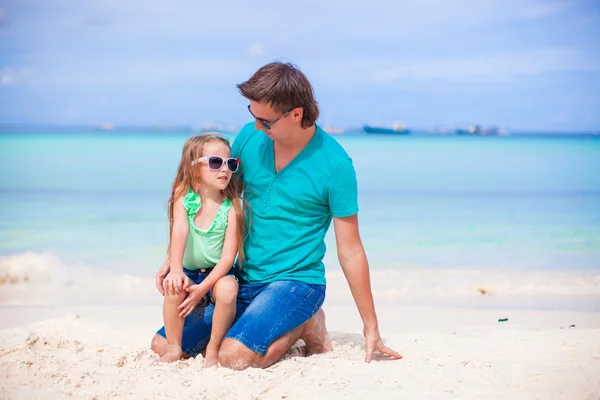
pixel 291 211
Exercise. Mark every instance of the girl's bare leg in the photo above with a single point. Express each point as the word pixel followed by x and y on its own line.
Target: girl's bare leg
pixel 173 327
pixel 224 296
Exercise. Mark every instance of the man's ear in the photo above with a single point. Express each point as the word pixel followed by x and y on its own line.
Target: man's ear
pixel 298 113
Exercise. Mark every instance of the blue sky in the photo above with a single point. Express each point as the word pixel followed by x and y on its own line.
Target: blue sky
pixel 524 64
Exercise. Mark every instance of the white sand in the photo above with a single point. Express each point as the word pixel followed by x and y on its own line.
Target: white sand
pixel 86 334
pixel 104 352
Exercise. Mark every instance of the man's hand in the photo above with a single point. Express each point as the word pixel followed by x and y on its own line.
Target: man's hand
pixel 374 343
pixel 160 277
pixel 195 295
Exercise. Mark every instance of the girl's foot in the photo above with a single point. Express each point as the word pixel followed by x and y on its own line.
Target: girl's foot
pixel 211 359
pixel 210 362
pixel 173 354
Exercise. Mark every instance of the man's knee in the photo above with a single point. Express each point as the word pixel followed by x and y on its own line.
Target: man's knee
pixel 159 345
pixel 235 355
pixel 225 291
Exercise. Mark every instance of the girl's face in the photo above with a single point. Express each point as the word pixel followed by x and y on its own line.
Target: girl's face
pixel 217 179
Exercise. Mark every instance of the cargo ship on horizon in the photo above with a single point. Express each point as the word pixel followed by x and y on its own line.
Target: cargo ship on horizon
pixel 396 129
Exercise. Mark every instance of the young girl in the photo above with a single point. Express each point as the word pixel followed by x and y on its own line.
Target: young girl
pixel 206 232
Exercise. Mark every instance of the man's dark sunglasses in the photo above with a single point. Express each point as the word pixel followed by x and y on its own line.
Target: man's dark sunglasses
pixel 269 124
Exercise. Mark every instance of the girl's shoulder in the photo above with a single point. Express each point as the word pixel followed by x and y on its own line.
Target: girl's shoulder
pixel 192 202
pixel 223 213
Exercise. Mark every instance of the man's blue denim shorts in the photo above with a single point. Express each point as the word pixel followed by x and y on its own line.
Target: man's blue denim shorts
pixel 265 311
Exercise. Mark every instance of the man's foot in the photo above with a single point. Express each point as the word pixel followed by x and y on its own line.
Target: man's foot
pixel 173 354
pixel 298 351
pixel 315 335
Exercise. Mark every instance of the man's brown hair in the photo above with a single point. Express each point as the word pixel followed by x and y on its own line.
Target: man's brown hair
pixel 284 86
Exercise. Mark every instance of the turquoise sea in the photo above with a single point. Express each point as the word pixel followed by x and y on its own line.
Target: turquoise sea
pixel 450 202
pixel 518 205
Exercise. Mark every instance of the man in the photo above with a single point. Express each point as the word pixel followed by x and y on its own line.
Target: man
pixel 297 179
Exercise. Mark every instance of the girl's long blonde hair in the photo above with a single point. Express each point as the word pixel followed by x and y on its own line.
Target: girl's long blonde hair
pixel 187 176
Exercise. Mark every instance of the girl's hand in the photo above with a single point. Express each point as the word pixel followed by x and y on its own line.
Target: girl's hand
pixel 195 295
pixel 175 282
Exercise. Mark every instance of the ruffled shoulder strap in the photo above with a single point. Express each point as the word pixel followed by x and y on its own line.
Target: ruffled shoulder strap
pixel 191 202
pixel 221 217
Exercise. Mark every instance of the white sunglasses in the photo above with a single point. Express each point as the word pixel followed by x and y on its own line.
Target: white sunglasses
pixel 215 163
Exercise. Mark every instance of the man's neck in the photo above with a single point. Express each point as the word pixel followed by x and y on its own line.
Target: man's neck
pixel 297 140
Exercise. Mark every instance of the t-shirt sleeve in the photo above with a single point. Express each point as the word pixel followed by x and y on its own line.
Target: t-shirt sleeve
pixel 241 139
pixel 342 190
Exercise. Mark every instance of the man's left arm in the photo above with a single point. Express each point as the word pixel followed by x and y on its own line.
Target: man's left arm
pixel 353 260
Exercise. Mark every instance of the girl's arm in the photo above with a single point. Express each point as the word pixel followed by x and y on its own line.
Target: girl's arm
pixel 176 278
pixel 230 250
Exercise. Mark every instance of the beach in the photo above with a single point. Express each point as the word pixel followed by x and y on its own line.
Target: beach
pixel 457 345
pixel 456 143
pixel 448 353
pixel 484 270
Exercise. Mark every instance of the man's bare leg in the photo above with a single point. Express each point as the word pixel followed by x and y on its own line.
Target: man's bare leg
pixel 235 355
pixel 315 335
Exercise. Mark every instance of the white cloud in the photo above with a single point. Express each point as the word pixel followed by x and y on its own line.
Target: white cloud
pixel 495 66
pixel 136 71
pixel 13 76
pixel 160 21
pixel 256 49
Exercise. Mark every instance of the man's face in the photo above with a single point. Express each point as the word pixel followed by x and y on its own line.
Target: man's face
pixel 273 123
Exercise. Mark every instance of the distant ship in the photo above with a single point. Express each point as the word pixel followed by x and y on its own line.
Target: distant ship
pixel 396 129
pixel 477 130
pixel 472 130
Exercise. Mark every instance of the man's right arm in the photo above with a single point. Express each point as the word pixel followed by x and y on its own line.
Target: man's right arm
pixel 354 263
